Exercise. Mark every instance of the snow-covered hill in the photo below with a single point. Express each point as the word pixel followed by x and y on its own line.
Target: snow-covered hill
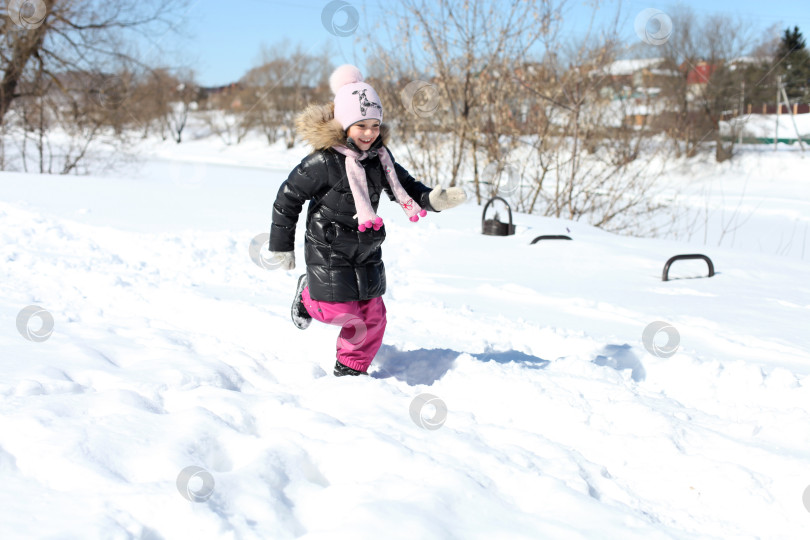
pixel 515 395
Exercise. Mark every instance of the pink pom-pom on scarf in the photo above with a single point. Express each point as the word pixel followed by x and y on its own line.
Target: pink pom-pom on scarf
pixel 376 225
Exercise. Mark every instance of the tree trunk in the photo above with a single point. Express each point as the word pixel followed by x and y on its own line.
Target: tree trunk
pixel 27 44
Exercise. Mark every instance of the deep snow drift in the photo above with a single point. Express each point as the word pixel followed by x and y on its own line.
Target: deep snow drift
pixel 514 396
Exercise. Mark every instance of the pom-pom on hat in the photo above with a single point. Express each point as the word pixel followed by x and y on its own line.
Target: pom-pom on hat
pixel 355 100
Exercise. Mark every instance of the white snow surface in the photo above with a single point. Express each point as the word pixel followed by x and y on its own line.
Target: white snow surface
pixel 782 126
pixel 629 66
pixel 171 348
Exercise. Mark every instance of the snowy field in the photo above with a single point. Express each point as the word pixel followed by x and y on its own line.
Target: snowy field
pixel 516 395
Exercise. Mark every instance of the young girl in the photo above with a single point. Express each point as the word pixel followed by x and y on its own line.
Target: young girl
pixel 344 179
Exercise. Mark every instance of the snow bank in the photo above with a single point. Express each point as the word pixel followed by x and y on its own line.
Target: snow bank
pixel 553 418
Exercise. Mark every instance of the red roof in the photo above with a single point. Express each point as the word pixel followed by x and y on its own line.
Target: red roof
pixel 700 74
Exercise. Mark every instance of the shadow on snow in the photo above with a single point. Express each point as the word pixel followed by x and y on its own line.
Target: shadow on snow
pixel 426 366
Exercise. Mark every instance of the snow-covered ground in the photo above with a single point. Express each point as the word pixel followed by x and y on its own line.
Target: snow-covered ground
pixel 770 126
pixel 758 202
pixel 515 395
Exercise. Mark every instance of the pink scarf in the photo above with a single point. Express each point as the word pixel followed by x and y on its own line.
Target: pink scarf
pixel 366 217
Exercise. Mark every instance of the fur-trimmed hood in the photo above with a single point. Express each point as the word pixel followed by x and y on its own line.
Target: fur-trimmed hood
pixel 317 126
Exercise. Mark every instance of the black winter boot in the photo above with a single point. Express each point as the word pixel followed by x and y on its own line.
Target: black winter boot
pixel 341 370
pixel 300 316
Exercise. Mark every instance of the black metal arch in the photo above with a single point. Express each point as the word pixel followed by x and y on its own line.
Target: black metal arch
pixel 671 260
pixel 550 237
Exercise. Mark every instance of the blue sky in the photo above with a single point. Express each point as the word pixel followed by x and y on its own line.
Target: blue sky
pixel 222 39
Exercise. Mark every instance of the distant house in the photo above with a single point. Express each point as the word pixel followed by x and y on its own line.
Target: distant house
pixel 226 95
pixel 636 85
pixel 638 73
pixel 697 78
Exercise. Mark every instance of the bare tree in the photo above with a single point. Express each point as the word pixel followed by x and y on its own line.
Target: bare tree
pixel 467 49
pixel 280 86
pixel 549 134
pixel 69 35
pixel 589 159
pixel 183 93
pixel 55 53
pixel 225 114
pixel 149 102
pixel 706 54
pixel 78 122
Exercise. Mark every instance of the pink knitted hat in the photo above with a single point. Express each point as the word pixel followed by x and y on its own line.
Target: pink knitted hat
pixel 355 100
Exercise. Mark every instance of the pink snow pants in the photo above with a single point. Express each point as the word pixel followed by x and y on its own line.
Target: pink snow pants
pixel 362 327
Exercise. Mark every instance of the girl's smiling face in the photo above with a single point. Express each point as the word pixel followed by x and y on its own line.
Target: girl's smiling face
pixel 364 133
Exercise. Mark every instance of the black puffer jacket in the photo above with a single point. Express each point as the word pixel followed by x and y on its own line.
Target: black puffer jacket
pixel 343 264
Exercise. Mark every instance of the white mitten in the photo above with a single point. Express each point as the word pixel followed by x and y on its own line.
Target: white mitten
pixel 282 259
pixel 442 199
